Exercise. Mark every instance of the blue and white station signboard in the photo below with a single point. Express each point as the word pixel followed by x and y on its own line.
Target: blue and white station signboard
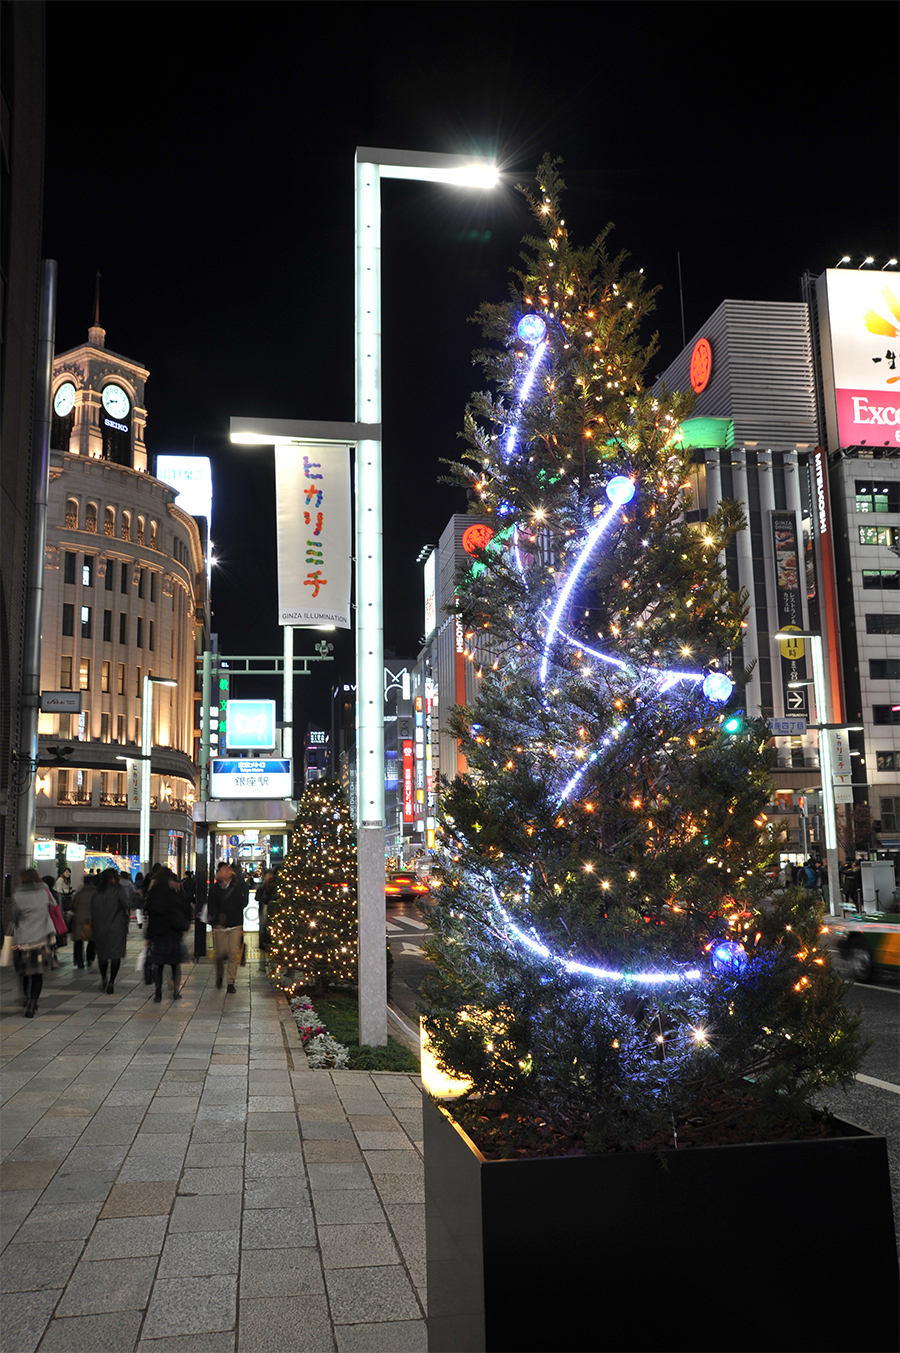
pixel 251 779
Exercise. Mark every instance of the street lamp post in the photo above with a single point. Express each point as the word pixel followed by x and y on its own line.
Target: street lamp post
pixel 826 768
pixel 373 165
pixel 146 752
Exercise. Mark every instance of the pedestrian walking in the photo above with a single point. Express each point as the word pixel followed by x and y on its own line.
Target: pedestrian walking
pixel 34 937
pixel 82 927
pixel 265 894
pixel 167 920
pixel 227 900
pixel 63 889
pixel 138 897
pixel 109 918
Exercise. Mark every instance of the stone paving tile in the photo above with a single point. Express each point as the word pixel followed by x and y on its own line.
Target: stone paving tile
pixel 25 1316
pixel 173 1104
pixel 336 1130
pixel 356 1245
pixel 198 1253
pixel 270 1103
pixel 151 1170
pixel 214 1132
pixel 383 1141
pixel 206 1212
pixel 399 1336
pixel 280 1273
pixel 331 1152
pixel 217 1341
pixel 271 1122
pixel 108 1285
pixel 277 1228
pixel 58 1221
pixel 283 1192
pixel 272 1324
pixel 40 1266
pixel 127 1238
pixel 220 1179
pixel 139 1200
pixel 373 1122
pixel 342 1206
pixel 371 1294
pixel 27 1173
pixel 338 1176
pixel 191 1306
pixel 96 1156
pixel 274 1165
pixel 394 1162
pixel 166 1124
pixel 319 1113
pixel 201 1157
pixel 273 1142
pixel 400 1188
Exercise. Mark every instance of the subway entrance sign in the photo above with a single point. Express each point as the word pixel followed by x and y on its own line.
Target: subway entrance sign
pixel 251 778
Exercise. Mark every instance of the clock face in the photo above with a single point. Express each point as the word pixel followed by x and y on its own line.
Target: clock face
pixel 115 401
pixel 64 400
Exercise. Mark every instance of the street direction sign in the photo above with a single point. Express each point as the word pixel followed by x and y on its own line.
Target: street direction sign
pixel 787 728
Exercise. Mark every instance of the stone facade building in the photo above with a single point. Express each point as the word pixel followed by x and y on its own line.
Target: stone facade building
pixel 125 595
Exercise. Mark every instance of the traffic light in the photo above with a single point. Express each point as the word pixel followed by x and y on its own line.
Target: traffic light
pixel 276 849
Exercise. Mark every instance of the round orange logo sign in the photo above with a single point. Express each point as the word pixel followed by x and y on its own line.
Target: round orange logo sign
pixel 701 365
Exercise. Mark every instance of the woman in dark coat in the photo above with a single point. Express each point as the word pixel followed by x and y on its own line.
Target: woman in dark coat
pixel 110 909
pixel 34 937
pixel 167 920
pixel 81 917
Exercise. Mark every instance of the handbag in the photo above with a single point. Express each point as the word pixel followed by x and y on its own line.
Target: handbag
pixel 6 955
pixel 87 931
pixel 56 917
pixel 203 915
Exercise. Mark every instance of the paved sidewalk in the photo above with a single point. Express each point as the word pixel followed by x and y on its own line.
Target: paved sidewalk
pixel 176 1180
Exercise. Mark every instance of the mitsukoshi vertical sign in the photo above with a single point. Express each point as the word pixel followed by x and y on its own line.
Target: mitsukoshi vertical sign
pixel 312 491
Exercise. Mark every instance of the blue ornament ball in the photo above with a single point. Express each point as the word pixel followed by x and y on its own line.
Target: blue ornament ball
pixel 620 490
pixel 728 957
pixel 718 687
pixel 531 329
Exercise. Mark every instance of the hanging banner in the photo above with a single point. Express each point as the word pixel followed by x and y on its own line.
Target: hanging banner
pixel 312 492
pixel 789 612
pixel 409 814
pixel 133 784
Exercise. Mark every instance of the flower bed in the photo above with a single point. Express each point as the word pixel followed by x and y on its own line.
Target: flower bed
pixel 322 1051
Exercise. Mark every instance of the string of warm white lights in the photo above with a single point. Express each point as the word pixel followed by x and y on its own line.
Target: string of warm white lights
pixel 716 685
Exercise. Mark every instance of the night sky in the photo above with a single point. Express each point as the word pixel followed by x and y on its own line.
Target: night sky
pixel 200 157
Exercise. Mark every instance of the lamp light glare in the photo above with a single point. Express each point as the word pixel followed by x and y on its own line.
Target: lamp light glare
pixel 728 957
pixel 718 687
pixel 620 490
pixel 531 329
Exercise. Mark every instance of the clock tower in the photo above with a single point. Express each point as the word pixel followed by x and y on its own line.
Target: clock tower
pixel 98 403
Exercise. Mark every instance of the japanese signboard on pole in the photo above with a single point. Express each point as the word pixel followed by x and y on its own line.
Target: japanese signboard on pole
pixel 312 490
pixel 790 612
pixel 133 782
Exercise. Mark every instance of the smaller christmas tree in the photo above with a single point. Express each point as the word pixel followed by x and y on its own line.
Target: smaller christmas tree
pixel 313 919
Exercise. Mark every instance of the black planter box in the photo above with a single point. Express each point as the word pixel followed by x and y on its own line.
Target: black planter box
pixel 778 1246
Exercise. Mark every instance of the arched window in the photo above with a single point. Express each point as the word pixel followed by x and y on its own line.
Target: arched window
pixel 125 528
pixel 109 522
pixel 153 544
pixel 90 518
pixel 140 530
pixel 72 514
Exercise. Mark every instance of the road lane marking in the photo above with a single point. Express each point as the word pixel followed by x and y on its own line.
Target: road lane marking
pixel 880 1085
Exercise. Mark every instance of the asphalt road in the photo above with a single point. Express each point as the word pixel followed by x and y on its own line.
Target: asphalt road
pixel 873 1102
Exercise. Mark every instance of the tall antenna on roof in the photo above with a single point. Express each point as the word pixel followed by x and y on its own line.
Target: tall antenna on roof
pixel 97 300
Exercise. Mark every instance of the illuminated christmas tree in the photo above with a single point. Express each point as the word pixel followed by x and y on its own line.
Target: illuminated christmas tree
pixel 313 919
pixel 604 972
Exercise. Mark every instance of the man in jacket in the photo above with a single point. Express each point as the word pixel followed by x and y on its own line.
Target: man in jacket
pixel 226 902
